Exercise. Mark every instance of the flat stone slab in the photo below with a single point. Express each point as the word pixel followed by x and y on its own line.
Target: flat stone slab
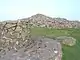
pixel 40 49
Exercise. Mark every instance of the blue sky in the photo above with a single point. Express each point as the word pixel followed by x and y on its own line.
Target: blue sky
pixel 15 9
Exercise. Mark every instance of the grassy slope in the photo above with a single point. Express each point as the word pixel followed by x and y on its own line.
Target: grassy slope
pixel 69 53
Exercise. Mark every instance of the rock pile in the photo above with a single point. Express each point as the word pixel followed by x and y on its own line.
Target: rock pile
pixel 17 44
pixel 13 34
pixel 70 41
pixel 40 20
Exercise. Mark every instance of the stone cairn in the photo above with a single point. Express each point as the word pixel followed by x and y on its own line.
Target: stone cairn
pixel 14 35
pixel 16 43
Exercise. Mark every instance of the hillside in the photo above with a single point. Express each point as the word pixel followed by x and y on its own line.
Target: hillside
pixel 40 20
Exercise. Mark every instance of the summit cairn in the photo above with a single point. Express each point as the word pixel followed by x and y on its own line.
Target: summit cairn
pixel 14 34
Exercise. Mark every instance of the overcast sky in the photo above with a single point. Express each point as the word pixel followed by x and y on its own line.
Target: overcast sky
pixel 15 9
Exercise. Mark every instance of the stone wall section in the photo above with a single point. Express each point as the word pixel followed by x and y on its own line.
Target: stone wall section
pixel 14 34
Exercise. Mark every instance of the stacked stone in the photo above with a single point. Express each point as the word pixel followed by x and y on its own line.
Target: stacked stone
pixel 14 34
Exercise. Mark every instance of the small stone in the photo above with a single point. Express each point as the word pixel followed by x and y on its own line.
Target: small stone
pixel 17 42
pixel 28 59
pixel 55 52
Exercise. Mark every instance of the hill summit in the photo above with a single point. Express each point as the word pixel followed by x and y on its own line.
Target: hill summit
pixel 40 20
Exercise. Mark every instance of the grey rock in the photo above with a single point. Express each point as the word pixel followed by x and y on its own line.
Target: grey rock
pixel 41 49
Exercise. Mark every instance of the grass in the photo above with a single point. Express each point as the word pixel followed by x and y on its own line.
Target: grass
pixel 69 53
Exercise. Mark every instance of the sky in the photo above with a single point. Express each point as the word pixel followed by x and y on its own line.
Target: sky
pixel 16 9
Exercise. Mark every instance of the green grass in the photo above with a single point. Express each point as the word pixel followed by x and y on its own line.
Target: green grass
pixel 69 53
